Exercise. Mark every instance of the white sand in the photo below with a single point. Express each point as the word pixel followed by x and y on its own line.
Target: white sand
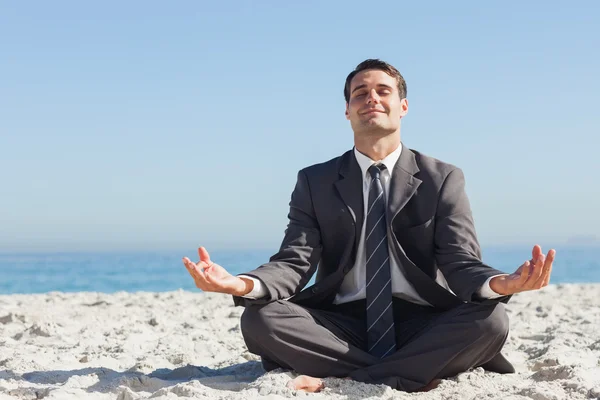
pixel 180 344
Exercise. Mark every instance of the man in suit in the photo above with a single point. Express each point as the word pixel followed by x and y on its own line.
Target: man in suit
pixel 401 296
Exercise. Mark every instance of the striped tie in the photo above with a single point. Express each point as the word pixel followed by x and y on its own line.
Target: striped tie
pixel 381 335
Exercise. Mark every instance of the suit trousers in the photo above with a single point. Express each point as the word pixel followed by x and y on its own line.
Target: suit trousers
pixel 331 342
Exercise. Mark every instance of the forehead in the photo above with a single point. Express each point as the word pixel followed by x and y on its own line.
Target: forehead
pixel 372 77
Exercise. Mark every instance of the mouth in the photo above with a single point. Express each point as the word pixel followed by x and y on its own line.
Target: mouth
pixel 372 111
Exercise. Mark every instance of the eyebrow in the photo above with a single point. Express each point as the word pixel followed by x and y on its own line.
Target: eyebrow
pixel 364 86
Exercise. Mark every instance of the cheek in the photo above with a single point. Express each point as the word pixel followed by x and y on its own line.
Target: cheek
pixel 395 108
pixel 352 110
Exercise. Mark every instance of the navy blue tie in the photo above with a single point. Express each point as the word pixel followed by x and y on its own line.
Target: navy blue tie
pixel 381 335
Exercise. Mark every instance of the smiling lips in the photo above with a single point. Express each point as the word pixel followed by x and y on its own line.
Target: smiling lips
pixel 371 111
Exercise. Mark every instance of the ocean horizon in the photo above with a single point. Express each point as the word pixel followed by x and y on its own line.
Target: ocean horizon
pixel 160 271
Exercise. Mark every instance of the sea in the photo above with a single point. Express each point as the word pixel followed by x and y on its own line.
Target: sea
pixel 159 271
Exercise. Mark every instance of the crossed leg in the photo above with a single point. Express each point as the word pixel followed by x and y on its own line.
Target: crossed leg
pixel 322 343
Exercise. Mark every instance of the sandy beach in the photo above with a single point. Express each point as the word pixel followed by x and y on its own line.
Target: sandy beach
pixel 188 345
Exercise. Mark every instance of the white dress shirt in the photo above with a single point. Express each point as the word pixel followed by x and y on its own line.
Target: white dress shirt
pixel 353 286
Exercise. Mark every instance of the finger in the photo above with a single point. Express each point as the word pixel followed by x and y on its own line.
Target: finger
pixel 187 262
pixel 548 267
pixel 519 270
pixel 189 265
pixel 548 259
pixel 204 256
pixel 536 273
pixel 525 270
pixel 536 252
pixel 199 269
pixel 198 274
pixel 191 270
pixel 541 270
pixel 196 270
pixel 199 266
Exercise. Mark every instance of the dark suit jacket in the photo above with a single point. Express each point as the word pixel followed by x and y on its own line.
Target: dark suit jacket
pixel 429 221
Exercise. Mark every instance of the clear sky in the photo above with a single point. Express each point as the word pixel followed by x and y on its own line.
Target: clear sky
pixel 147 124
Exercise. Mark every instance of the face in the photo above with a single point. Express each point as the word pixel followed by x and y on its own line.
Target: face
pixel 375 107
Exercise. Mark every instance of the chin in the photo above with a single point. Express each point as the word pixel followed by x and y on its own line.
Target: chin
pixel 374 124
pixel 377 130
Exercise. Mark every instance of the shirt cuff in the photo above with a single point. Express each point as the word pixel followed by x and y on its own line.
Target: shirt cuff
pixel 258 291
pixel 486 291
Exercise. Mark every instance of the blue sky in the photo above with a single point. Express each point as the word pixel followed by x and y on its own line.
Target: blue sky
pixel 147 125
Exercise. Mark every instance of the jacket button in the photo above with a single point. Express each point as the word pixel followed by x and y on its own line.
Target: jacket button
pixel 315 289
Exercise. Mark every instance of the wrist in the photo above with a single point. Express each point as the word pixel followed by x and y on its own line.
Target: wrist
pixel 244 287
pixel 497 286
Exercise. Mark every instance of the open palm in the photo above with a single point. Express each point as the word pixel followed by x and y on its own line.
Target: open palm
pixel 210 276
pixel 531 275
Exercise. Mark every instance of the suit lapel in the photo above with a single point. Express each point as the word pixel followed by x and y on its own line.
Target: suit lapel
pixel 403 184
pixel 350 188
pixel 402 187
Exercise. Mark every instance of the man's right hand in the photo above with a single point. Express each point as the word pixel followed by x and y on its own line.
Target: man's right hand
pixel 211 277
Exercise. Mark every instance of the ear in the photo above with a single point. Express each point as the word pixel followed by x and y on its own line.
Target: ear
pixel 404 105
pixel 347 113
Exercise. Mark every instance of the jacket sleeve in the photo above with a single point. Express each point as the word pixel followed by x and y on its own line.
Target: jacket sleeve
pixel 290 269
pixel 457 250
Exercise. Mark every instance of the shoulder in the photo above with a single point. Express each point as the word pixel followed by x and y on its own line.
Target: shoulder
pixel 329 168
pixel 434 170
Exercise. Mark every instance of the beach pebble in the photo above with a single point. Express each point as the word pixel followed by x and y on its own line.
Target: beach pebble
pixel 7 319
pixel 553 373
pixel 594 393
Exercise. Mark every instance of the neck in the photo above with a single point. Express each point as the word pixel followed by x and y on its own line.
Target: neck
pixel 377 148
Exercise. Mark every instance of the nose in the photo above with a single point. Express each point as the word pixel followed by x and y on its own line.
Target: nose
pixel 373 97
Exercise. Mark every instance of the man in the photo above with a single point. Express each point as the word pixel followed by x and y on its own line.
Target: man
pixel 401 295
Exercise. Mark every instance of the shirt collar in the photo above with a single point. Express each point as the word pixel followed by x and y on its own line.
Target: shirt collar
pixel 390 161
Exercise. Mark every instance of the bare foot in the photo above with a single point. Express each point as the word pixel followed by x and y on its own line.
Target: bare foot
pixel 306 383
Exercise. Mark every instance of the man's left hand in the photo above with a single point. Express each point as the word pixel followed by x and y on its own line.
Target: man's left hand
pixel 532 275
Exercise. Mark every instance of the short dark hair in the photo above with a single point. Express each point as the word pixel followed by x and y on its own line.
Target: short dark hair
pixel 374 63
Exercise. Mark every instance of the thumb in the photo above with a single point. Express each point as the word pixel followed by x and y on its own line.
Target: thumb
pixel 525 271
pixel 203 254
pixel 519 271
